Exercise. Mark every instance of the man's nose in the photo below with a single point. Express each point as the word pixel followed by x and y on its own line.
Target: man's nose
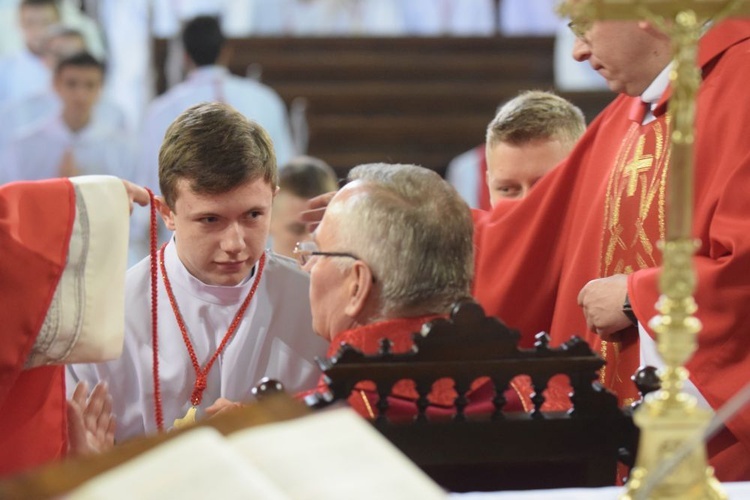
pixel 233 240
pixel 581 50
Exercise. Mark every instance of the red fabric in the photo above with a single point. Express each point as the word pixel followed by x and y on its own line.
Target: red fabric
pixel 588 220
pixel 36 220
pixel 483 195
pixel 402 402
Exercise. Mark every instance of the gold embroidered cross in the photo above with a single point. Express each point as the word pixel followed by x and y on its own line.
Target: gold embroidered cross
pixel 638 164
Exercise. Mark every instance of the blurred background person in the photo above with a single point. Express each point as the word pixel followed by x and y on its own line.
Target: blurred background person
pixel 72 142
pixel 60 42
pixel 303 178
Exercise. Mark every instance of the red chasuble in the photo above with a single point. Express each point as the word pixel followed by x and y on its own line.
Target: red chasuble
pixel 603 212
pixel 402 402
pixel 35 228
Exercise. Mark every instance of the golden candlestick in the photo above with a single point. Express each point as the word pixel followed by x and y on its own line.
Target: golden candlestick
pixel 670 417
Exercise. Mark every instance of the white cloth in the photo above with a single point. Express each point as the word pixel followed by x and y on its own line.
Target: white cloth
pixel 85 321
pixel 274 339
pixel 528 18
pixel 38 152
pixel 449 17
pixel 463 174
pixel 18 115
pixel 214 83
pixel 22 74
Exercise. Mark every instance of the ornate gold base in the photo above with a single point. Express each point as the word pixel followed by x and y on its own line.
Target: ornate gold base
pixel 665 425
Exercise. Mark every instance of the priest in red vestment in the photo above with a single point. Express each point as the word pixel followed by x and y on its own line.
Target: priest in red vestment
pixel 393 251
pixel 64 249
pixel 581 249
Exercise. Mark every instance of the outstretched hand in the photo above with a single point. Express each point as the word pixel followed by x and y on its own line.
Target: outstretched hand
pixel 91 425
pixel 135 194
pixel 316 208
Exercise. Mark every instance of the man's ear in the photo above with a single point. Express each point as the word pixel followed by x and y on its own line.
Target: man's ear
pixel 166 213
pixel 649 28
pixel 360 288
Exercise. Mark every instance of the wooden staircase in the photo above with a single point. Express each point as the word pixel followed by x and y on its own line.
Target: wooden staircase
pixel 405 100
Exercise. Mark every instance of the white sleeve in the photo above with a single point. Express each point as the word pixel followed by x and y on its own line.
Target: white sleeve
pixel 86 319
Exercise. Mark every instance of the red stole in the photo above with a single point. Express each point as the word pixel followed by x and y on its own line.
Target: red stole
pixel 35 226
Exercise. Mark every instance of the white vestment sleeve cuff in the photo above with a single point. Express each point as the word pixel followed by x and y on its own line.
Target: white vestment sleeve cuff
pixel 86 320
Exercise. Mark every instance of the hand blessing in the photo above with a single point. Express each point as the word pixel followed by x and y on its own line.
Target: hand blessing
pixel 316 208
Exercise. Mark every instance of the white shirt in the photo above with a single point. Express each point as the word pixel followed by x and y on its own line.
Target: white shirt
pixel 19 115
pixel 274 339
pixel 38 152
pixel 22 74
pixel 214 83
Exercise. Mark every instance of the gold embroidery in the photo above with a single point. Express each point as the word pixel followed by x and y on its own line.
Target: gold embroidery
pixel 638 164
pixel 632 224
pixel 635 200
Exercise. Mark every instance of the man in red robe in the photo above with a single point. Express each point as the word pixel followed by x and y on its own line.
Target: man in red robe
pixel 64 246
pixel 568 258
pixel 393 251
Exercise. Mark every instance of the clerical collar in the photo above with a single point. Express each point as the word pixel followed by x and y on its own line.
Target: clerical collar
pixel 215 294
pixel 655 91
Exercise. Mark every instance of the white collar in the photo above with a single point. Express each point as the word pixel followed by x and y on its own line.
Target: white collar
pixel 181 278
pixel 653 92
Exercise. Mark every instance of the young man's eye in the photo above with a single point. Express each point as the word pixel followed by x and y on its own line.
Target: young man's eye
pixel 508 191
pixel 254 214
pixel 208 220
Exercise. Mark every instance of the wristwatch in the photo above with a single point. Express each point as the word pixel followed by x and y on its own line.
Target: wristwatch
pixel 628 310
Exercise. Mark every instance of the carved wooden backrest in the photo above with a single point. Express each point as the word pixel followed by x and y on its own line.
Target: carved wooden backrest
pixel 506 450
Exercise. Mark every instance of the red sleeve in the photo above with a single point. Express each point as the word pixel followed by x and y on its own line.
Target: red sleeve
pixel 36 220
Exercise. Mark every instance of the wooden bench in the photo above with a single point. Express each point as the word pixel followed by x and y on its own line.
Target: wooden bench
pixel 578 448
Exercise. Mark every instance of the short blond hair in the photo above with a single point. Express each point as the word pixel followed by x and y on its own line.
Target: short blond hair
pixel 216 149
pixel 534 115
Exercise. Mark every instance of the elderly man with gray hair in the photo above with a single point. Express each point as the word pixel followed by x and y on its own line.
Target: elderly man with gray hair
pixel 393 251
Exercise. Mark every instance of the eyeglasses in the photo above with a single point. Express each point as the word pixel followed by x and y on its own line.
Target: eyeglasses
pixel 580 27
pixel 305 250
